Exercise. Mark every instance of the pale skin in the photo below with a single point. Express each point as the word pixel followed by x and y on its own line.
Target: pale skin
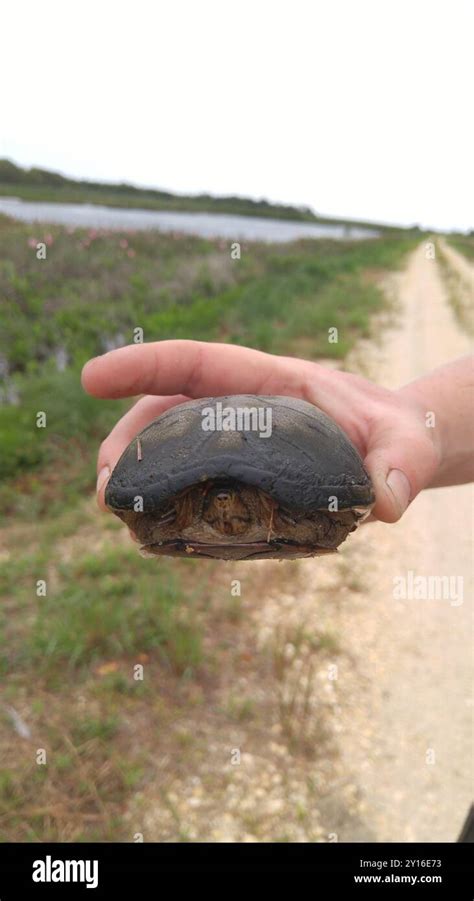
pixel 405 448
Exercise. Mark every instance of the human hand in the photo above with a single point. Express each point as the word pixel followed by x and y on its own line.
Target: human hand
pixel 387 427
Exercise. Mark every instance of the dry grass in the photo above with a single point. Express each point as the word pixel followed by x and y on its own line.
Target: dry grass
pixel 459 291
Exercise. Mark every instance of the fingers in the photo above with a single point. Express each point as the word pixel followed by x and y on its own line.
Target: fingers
pixel 193 368
pixel 140 415
pixel 400 457
pixel 401 461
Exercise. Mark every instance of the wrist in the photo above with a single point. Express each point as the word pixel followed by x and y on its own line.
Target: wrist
pixel 421 404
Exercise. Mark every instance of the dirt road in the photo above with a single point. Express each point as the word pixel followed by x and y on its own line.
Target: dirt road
pixel 406 704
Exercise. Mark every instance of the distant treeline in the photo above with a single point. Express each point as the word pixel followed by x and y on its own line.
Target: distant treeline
pixel 43 185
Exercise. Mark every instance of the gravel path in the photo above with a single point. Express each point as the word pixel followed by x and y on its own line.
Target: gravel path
pixel 408 712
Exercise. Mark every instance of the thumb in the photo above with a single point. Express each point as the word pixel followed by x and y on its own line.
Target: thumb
pixel 401 461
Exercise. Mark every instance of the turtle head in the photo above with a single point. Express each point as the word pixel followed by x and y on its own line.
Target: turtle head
pixel 225 510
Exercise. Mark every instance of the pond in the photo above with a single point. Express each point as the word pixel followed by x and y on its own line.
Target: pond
pixel 204 225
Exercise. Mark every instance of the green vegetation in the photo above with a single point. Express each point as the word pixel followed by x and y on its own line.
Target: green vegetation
pixel 126 618
pixel 463 243
pixel 67 658
pixel 95 288
pixel 42 185
pixel 458 286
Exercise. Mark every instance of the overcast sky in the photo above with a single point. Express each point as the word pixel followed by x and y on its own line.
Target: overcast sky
pixel 358 108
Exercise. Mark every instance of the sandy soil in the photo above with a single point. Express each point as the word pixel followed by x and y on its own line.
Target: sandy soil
pixel 410 687
pixel 462 265
pixel 361 709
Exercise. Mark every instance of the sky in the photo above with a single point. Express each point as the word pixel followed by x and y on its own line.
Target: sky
pixel 356 108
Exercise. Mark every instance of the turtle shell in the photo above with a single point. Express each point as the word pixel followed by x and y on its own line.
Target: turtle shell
pixel 301 461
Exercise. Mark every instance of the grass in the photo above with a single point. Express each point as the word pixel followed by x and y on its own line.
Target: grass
pixel 301 711
pixel 89 295
pixel 67 659
pixel 463 243
pixel 104 604
pixel 458 290
pixel 129 616
pixel 69 665
pixel 76 794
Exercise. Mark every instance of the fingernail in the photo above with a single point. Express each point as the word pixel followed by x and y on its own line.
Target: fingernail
pixel 102 477
pixel 400 488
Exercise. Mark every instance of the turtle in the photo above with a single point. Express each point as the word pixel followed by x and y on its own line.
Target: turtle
pixel 241 477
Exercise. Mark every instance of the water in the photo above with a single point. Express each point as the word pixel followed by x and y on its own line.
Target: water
pixel 204 225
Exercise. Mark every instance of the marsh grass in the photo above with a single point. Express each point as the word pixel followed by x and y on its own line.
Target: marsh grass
pixel 90 295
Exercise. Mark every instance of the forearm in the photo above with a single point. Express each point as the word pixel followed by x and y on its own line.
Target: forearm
pixel 446 399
